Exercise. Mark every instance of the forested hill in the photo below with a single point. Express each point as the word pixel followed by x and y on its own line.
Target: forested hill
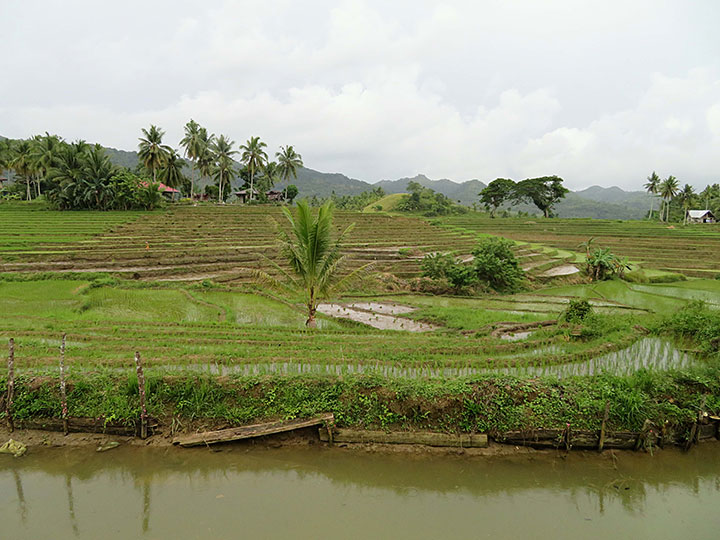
pixel 593 202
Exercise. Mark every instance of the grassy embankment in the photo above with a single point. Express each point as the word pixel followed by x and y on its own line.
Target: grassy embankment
pixel 175 325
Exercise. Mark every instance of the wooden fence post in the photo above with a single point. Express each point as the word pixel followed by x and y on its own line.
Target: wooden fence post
pixel 601 442
pixel 63 392
pixel 141 388
pixel 10 386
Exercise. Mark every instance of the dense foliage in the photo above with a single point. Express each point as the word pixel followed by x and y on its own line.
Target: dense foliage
pixel 427 201
pixel 350 202
pixel 40 164
pixel 493 266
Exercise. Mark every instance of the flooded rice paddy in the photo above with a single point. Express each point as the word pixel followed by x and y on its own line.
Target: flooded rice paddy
pixel 647 353
pixel 378 315
pixel 245 492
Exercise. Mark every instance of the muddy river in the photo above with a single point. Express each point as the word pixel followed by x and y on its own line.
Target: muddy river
pixel 245 492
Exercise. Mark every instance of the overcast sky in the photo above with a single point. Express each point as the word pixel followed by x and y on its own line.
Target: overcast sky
pixel 596 92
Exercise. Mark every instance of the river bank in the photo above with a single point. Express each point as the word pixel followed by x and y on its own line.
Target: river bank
pixel 641 411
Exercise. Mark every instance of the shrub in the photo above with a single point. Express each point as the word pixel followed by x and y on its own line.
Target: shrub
pixel 577 311
pixel 494 265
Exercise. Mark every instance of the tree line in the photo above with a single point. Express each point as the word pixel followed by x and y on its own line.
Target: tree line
pixel 674 199
pixel 78 175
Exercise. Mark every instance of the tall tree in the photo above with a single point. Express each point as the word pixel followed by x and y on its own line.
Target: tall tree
pixel 289 162
pixel 254 157
pixel 206 158
pixel 651 186
pixel 224 166
pixel 171 173
pixel 21 161
pixel 6 151
pixel 543 192
pixel 152 152
pixel 195 143
pixel 686 196
pixel 270 175
pixel 668 190
pixel 496 193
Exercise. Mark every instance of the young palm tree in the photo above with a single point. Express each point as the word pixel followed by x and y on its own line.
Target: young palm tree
pixel 152 152
pixel 224 168
pixel 289 162
pixel 651 186
pixel 254 157
pixel 171 173
pixel 668 190
pixel 313 256
pixel 686 197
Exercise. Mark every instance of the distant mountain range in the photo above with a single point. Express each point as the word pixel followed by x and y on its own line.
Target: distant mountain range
pixel 594 202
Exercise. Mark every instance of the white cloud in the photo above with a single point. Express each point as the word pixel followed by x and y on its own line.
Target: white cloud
pixel 459 89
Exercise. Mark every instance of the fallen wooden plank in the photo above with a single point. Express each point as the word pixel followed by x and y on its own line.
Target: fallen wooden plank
pixel 478 440
pixel 255 430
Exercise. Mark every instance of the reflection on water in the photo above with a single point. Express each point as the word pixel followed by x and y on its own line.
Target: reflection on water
pixel 322 493
pixel 649 353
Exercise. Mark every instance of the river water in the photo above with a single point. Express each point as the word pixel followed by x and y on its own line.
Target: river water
pixel 245 492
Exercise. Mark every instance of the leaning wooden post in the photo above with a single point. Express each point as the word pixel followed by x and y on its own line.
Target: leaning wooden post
pixel 601 442
pixel 63 392
pixel 141 388
pixel 10 386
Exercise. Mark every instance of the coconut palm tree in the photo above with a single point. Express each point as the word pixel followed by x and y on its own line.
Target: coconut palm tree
pixel 46 149
pixel 313 256
pixel 224 167
pixel 6 149
pixel 668 190
pixel 289 162
pixel 194 142
pixel 22 163
pixel 152 152
pixel 686 197
pixel 651 186
pixel 254 157
pixel 270 175
pixel 171 173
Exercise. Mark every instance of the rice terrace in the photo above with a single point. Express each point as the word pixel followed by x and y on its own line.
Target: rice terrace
pixel 359 269
pixel 184 285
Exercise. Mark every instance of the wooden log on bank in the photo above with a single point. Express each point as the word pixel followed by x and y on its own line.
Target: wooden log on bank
pixel 556 438
pixel 85 425
pixel 255 430
pixel 341 435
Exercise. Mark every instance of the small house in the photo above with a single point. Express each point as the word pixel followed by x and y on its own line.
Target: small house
pixel 700 216
pixel 244 195
pixel 169 193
